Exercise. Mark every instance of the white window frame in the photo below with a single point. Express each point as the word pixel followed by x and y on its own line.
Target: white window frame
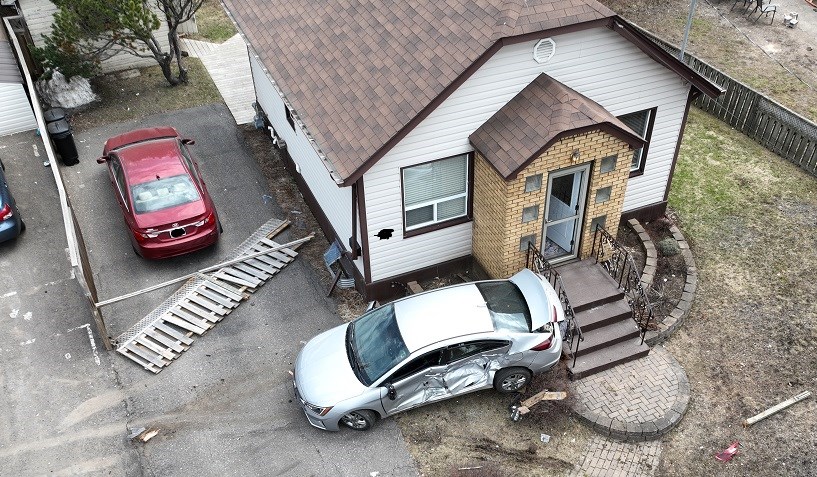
pixel 434 203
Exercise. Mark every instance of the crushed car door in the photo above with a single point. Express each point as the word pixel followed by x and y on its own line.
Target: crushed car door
pixel 471 366
pixel 417 382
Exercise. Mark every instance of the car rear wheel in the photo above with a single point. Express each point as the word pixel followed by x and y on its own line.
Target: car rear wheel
pixel 22 226
pixel 361 420
pixel 511 380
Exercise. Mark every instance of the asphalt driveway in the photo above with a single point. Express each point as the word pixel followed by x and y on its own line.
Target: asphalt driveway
pixel 226 406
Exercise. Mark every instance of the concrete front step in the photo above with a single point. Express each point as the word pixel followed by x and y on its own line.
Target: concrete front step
pixel 603 315
pixel 588 285
pixel 608 336
pixel 599 360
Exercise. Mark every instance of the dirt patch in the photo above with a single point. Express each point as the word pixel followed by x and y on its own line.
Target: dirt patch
pixel 777 61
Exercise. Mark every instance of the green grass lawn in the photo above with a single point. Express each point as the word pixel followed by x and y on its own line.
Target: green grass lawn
pixel 213 24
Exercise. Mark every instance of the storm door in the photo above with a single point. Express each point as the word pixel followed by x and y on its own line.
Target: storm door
pixel 564 212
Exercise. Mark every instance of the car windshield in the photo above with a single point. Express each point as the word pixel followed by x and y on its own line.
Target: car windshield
pixel 163 193
pixel 508 308
pixel 375 345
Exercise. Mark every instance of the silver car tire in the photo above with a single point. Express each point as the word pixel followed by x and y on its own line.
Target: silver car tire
pixel 511 380
pixel 361 420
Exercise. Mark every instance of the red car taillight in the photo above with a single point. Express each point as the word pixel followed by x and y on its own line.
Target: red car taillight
pixel 555 316
pixel 6 212
pixel 543 345
pixel 139 236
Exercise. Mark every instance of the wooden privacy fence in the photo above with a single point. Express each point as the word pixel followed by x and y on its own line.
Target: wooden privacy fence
pixel 774 126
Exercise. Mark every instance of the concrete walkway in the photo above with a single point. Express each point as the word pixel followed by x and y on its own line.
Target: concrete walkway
pixel 229 65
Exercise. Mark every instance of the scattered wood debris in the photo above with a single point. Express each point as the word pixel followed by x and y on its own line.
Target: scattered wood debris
pixel 519 409
pixel 143 435
pixel 775 409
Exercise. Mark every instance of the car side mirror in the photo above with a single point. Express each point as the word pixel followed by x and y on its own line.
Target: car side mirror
pixel 391 392
pixel 188 142
pixel 102 160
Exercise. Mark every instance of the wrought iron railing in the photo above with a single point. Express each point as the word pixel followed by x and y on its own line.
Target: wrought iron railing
pixel 618 262
pixel 570 329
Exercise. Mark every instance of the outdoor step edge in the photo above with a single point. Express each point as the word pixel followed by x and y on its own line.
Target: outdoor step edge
pixel 604 314
pixel 607 358
pixel 607 336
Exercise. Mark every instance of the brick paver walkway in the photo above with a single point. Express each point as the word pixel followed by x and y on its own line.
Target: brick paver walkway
pixel 639 400
pixel 605 457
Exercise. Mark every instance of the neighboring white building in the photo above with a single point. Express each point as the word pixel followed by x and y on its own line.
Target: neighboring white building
pixel 391 112
pixel 16 114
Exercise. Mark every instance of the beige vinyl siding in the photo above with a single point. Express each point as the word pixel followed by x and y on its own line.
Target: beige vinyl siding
pixel 598 63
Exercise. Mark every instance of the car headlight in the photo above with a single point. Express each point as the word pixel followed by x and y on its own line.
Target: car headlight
pixel 321 411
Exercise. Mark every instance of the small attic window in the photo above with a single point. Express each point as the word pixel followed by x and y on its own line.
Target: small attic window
pixel 544 50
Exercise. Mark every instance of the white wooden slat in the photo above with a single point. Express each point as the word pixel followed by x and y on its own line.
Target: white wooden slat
pixel 148 343
pixel 239 274
pixel 250 270
pixel 216 297
pixel 196 315
pixel 230 278
pixel 221 288
pixel 262 266
pixel 139 360
pixel 173 333
pixel 273 258
pixel 268 260
pixel 208 304
pixel 171 343
pixel 184 324
pixel 145 353
pixel 290 252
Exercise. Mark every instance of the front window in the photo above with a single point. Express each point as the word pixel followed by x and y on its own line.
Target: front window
pixel 163 193
pixel 374 344
pixel 435 192
pixel 640 122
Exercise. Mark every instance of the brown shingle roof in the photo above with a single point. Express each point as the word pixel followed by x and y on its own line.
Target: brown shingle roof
pixel 541 113
pixel 357 72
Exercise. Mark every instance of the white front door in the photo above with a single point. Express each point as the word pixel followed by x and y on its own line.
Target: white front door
pixel 564 211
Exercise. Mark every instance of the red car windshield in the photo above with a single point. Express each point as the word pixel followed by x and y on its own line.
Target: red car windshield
pixel 163 193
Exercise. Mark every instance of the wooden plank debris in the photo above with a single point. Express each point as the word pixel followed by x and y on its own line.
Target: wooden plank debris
pixel 206 298
pixel 775 409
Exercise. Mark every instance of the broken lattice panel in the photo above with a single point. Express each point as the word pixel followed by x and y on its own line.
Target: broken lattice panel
pixel 169 330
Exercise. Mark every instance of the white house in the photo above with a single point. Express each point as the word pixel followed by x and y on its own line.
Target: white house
pixel 429 136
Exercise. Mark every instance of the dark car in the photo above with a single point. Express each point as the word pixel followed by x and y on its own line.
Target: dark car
pixel 11 224
pixel 161 192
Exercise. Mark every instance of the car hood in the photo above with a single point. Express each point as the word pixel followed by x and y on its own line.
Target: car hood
pixel 322 371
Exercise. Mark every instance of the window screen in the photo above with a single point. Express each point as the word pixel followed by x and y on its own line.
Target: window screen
pixel 436 191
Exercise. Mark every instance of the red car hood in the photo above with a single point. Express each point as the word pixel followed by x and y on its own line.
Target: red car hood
pixel 165 218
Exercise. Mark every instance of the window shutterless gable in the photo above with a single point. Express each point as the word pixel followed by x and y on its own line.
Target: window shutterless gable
pixel 436 192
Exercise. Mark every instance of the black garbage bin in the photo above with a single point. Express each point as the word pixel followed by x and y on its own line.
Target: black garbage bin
pixel 53 115
pixel 60 134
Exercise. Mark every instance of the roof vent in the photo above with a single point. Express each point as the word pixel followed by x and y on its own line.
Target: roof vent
pixel 544 50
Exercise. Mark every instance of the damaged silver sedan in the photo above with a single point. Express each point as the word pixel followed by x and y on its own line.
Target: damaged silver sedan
pixel 429 347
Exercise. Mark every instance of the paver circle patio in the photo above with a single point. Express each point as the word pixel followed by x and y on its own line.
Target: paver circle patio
pixel 634 401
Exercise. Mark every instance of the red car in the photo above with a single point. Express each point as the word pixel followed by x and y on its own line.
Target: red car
pixel 161 192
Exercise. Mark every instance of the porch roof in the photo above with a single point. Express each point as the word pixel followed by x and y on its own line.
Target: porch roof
pixel 541 114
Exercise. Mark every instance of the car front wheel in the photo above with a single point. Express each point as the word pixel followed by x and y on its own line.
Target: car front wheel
pixel 510 380
pixel 362 420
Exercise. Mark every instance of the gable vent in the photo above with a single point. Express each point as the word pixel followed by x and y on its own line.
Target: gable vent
pixel 544 50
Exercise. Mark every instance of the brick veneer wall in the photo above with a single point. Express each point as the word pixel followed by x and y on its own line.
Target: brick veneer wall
pixel 498 204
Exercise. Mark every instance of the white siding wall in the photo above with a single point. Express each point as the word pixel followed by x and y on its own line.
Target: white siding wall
pixel 15 110
pixel 598 63
pixel 335 201
pixel 39 15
